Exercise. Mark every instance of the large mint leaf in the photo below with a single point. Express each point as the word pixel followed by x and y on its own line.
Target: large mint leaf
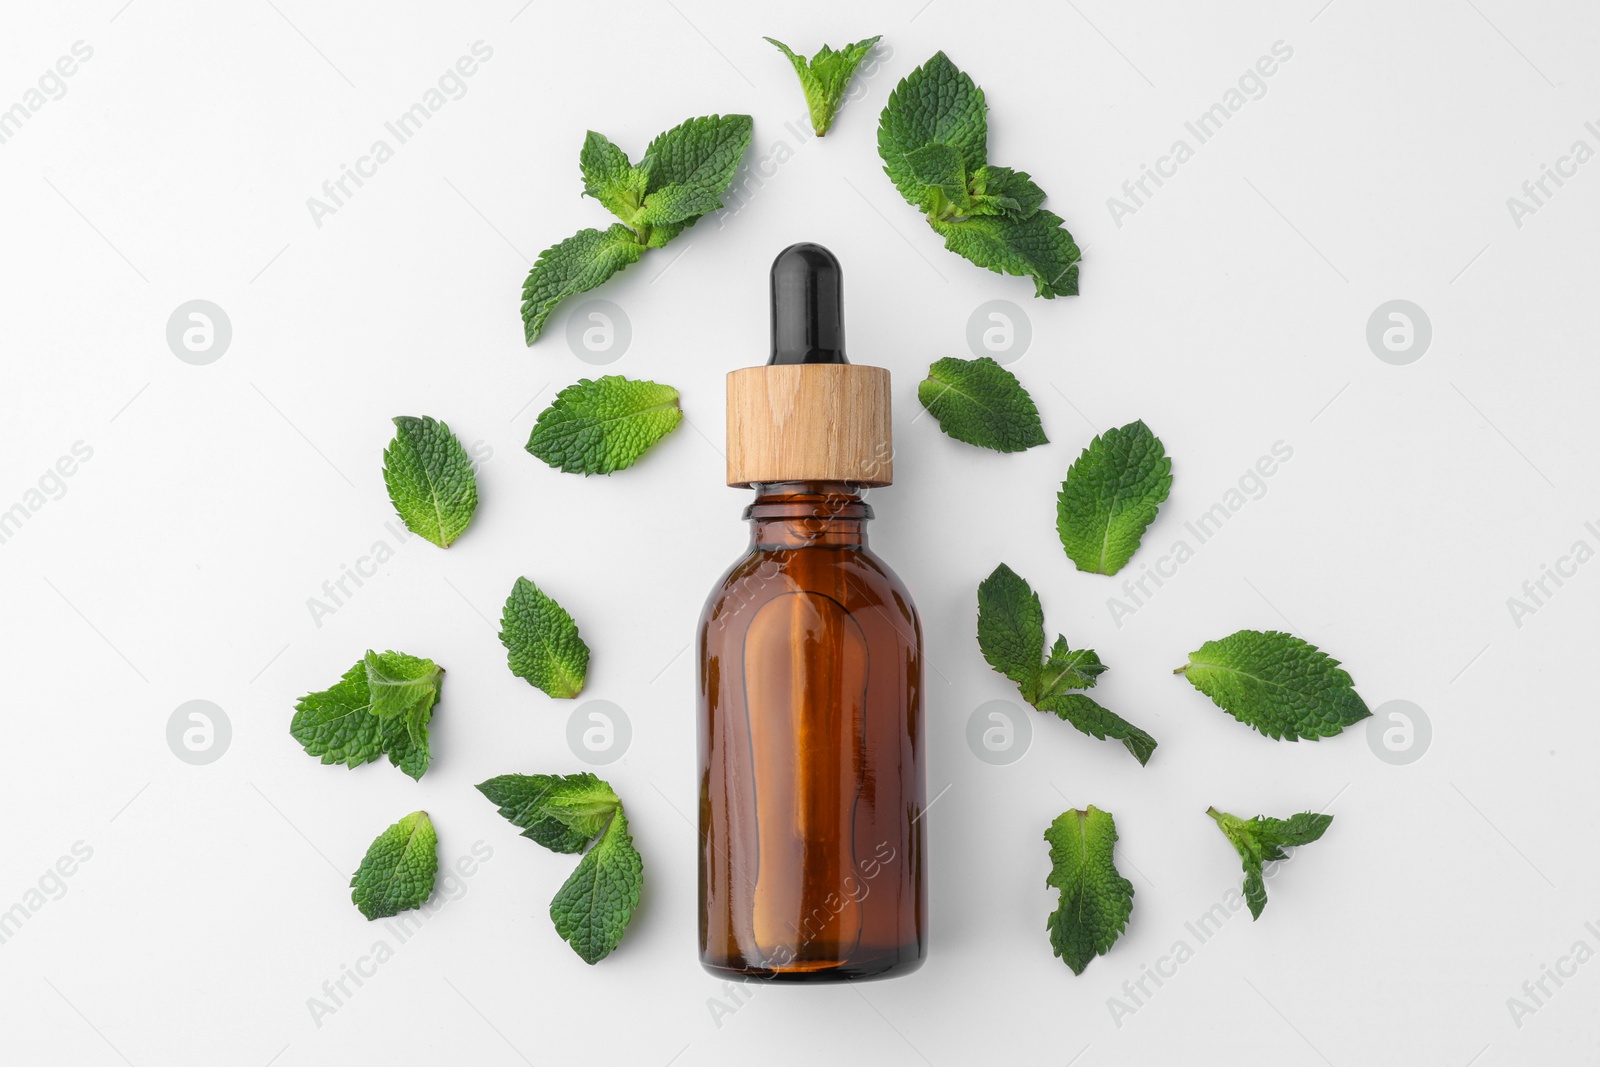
pixel 1281 685
pixel 576 265
pixel 699 151
pixel 597 427
pixel 980 402
pixel 934 104
pixel 593 908
pixel 430 480
pixel 1037 247
pixel 1095 900
pixel 1111 494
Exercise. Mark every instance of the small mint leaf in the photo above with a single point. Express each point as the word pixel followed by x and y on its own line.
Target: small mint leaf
pixel 398 871
pixel 542 642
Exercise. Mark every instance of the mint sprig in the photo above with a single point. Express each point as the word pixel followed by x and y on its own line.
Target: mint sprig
pixel 1011 637
pixel 398 871
pixel 1112 492
pixel 980 402
pixel 565 813
pixel 681 177
pixel 542 642
pixel 597 427
pixel 824 76
pixel 1262 840
pixel 1283 686
pixel 1095 900
pixel 430 480
pixel 933 138
pixel 339 724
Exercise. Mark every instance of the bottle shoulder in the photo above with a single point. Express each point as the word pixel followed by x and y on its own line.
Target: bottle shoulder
pixel 855 576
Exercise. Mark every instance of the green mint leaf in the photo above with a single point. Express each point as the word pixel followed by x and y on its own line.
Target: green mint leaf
pixel 691 165
pixel 610 178
pixel 1277 683
pixel 1261 840
pixel 987 214
pixel 1096 721
pixel 596 427
pixel 1112 492
pixel 565 813
pixel 430 479
pixel 405 687
pixel 562 812
pixel 980 402
pixel 1095 900
pixel 1011 626
pixel 398 871
pixel 576 265
pixel 593 907
pixel 338 725
pixel 934 104
pixel 824 77
pixel 1037 247
pixel 542 642
pixel 1011 637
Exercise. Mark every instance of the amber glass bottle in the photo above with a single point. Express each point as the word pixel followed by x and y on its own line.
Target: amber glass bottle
pixel 810 658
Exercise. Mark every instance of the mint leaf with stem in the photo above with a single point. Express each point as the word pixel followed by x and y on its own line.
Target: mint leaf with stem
pixel 933 139
pixel 824 76
pixel 337 725
pixel 562 812
pixel 1262 840
pixel 567 813
pixel 681 177
pixel 1011 638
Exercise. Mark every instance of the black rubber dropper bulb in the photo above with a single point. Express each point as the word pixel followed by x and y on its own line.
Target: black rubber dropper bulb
pixel 807 306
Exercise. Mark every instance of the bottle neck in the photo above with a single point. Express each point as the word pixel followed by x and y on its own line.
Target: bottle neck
pixel 792 515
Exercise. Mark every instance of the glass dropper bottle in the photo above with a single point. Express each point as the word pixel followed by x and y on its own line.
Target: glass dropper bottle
pixel 810 672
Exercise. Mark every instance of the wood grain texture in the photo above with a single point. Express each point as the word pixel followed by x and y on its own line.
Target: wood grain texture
pixel 810 422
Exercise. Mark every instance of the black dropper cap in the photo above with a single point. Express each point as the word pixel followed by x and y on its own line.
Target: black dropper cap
pixel 807 306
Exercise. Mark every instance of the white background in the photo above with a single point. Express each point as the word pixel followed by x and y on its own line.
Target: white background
pixel 1229 312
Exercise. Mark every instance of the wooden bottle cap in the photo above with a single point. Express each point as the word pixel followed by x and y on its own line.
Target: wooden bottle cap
pixel 810 422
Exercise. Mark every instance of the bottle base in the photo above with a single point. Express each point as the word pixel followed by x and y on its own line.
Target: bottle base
pixel 846 971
